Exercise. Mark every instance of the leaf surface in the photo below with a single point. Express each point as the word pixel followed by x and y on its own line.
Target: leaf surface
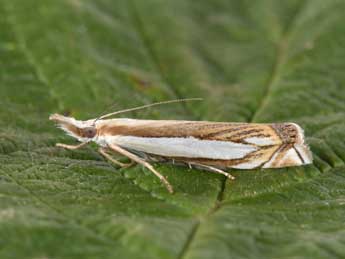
pixel 252 61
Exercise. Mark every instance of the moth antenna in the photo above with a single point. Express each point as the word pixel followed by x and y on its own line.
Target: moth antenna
pixel 147 106
pixel 94 122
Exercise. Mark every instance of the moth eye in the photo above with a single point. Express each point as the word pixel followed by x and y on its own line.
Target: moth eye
pixel 90 132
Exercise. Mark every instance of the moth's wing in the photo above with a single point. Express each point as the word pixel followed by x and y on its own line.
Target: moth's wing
pixel 239 145
pixel 256 159
pixel 274 156
pixel 235 145
pixel 291 150
pixel 181 147
pixel 290 155
pixel 251 133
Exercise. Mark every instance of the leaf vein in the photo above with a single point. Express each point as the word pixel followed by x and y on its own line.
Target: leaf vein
pixel 59 212
pixel 139 27
pixel 30 57
pixel 281 58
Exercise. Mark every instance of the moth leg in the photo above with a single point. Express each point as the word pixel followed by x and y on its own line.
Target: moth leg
pixel 144 163
pixel 103 152
pixel 215 170
pixel 71 147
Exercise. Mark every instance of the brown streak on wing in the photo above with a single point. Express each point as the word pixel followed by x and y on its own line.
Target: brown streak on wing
pixel 221 131
pixel 226 131
pixel 281 154
pixel 184 129
pixel 299 155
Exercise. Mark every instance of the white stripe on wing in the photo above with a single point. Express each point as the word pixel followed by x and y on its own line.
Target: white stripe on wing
pixel 182 147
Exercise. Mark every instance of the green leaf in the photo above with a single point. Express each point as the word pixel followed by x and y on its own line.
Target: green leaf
pixel 252 61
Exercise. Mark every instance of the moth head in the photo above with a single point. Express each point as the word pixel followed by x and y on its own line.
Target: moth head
pixel 82 130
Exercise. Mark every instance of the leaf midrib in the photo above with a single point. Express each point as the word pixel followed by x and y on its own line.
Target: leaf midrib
pixel 280 60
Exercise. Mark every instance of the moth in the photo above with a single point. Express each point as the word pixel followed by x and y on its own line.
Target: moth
pixel 211 146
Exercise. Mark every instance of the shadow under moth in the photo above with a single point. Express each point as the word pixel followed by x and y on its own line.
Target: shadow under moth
pixel 211 146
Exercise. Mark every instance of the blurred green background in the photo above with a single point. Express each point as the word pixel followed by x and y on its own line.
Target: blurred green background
pixel 252 61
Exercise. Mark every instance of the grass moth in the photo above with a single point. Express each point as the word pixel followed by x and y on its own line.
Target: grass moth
pixel 212 146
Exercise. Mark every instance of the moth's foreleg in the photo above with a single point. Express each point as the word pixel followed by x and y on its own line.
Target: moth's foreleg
pixel 144 163
pixel 71 147
pixel 213 169
pixel 103 152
